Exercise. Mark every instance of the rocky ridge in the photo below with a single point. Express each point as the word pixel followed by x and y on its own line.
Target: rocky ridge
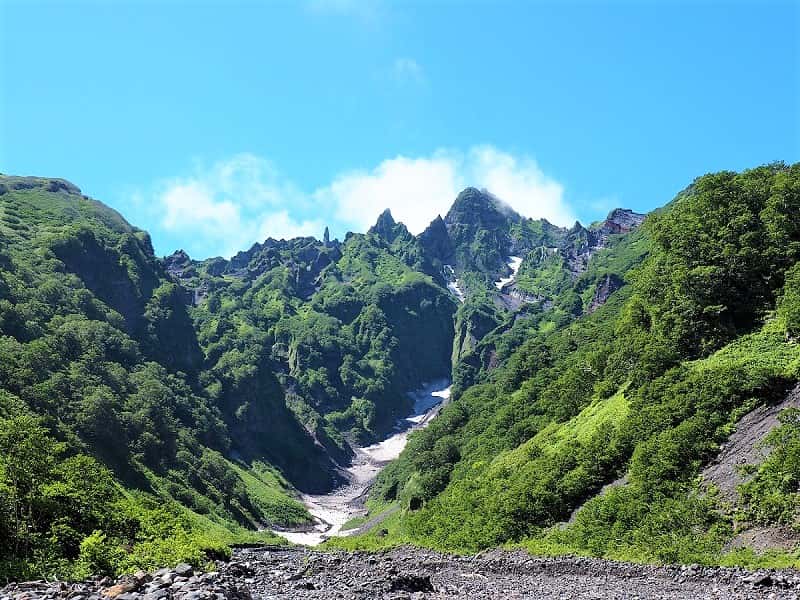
pixel 413 574
pixel 480 233
pixel 305 258
pixel 51 184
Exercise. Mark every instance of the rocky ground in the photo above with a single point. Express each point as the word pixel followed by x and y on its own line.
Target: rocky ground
pixel 412 574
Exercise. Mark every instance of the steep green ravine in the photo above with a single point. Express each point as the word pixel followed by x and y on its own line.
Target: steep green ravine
pixel 212 390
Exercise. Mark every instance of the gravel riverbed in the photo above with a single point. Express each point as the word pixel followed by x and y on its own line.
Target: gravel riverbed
pixel 414 574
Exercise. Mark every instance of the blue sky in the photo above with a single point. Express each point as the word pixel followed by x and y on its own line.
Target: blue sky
pixel 214 125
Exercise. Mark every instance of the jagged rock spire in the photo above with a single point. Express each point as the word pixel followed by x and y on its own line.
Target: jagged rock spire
pixel 384 226
pixel 436 241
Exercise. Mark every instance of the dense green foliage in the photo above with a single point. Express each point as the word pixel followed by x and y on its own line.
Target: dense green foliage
pixel 646 386
pixel 65 514
pixel 350 346
pixel 217 410
pixel 771 496
pixel 587 394
pixel 789 305
pixel 99 380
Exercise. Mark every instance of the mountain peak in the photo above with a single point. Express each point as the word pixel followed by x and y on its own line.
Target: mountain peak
pixel 386 227
pixel 576 227
pixel 386 218
pixel 436 240
pixel 474 206
pixel 622 220
pixel 472 198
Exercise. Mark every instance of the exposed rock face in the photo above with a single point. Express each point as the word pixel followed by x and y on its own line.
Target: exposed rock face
pixel 621 220
pixel 178 263
pixel 181 268
pixel 514 298
pixel 579 247
pixel 581 243
pixel 391 231
pixel 744 447
pixel 27 183
pixel 216 266
pixel 436 241
pixel 610 284
pixel 471 326
pixel 385 226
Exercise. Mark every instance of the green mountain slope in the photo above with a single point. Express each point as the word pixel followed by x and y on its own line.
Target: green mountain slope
pixel 644 388
pixel 596 370
pixel 104 422
pixel 346 329
pixel 215 389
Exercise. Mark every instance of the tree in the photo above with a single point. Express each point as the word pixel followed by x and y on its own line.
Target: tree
pixel 789 306
pixel 28 456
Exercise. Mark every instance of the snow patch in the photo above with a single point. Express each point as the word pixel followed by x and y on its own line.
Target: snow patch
pixel 453 284
pixel 331 511
pixel 514 263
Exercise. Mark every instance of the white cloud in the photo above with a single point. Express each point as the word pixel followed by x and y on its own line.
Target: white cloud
pixel 233 204
pixel 281 225
pixel 415 190
pixel 521 184
pixel 407 70
pixel 236 202
pixel 418 189
pixel 191 204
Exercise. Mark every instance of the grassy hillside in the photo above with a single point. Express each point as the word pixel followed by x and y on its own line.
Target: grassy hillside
pixel 645 387
pixel 200 395
pixel 108 438
pixel 156 410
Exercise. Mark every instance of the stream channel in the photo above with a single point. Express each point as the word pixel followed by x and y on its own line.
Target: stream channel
pixel 332 510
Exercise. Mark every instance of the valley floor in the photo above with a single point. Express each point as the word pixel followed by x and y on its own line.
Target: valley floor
pixel 415 574
pixel 408 573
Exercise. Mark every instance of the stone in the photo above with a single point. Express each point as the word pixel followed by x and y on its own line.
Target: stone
pixel 184 570
pixel 121 588
pixel 427 574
